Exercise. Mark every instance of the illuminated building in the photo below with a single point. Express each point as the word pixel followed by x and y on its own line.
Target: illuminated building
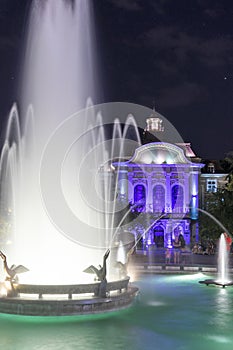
pixel 161 182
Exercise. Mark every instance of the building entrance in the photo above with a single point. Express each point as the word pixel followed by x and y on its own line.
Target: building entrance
pixel 159 236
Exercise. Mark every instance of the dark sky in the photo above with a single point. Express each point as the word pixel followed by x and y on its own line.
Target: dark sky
pixel 176 53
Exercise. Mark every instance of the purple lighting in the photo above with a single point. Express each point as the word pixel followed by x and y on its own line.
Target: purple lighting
pixel 140 197
pixel 177 199
pixel 164 192
pixel 158 199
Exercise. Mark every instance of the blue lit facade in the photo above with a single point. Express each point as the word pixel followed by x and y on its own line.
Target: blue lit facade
pixel 161 185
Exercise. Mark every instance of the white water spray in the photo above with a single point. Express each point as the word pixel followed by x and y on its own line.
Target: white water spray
pixel 222 261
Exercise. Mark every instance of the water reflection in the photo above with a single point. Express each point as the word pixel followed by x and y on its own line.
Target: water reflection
pixel 223 307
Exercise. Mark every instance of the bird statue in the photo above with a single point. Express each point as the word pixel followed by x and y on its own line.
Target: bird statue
pixel 13 271
pixel 100 272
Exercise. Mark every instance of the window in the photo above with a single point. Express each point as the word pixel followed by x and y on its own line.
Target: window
pixel 177 199
pixel 211 185
pixel 158 199
pixel 140 198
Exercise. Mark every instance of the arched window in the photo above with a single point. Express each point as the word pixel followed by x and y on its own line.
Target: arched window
pixel 177 199
pixel 140 197
pixel 158 199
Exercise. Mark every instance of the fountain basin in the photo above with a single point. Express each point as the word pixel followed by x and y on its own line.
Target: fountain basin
pixel 216 283
pixel 222 279
pixel 61 300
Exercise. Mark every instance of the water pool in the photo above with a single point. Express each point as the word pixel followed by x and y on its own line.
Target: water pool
pixel 172 312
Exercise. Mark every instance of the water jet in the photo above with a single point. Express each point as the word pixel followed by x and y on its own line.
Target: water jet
pixel 223 279
pixel 58 80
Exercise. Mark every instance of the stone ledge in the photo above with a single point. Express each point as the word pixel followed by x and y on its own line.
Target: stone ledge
pixel 173 268
pixel 40 307
pixel 191 268
pixel 91 288
pixel 209 269
pixel 154 267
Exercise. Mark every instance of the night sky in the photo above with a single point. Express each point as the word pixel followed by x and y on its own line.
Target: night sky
pixel 176 55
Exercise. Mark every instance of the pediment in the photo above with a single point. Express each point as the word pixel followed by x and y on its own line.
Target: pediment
pixel 159 153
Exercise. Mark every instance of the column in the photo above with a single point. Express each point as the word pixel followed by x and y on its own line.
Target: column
pixel 168 192
pixel 194 194
pixel 149 198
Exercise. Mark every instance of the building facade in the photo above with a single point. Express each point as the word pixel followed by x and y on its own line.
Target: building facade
pixel 161 185
pixel 212 179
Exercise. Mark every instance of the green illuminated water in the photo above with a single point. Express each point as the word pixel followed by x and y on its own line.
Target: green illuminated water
pixel 173 312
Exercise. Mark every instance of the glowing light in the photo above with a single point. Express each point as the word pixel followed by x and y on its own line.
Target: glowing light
pixel 155 303
pixel 3 289
pixel 159 160
pixel 223 261
pixel 121 255
pixel 194 188
pixel 189 277
pixel 219 339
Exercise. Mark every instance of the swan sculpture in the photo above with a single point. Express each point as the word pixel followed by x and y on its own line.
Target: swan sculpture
pixel 13 271
pixel 100 272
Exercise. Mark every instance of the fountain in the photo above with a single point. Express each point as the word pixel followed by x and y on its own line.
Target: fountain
pixel 57 242
pixel 223 279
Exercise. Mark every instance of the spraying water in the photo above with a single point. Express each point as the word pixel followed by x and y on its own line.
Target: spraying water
pixel 222 261
pixel 46 150
pixel 59 75
pixel 223 279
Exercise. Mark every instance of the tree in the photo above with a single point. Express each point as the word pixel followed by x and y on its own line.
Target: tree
pixel 227 163
pixel 220 205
